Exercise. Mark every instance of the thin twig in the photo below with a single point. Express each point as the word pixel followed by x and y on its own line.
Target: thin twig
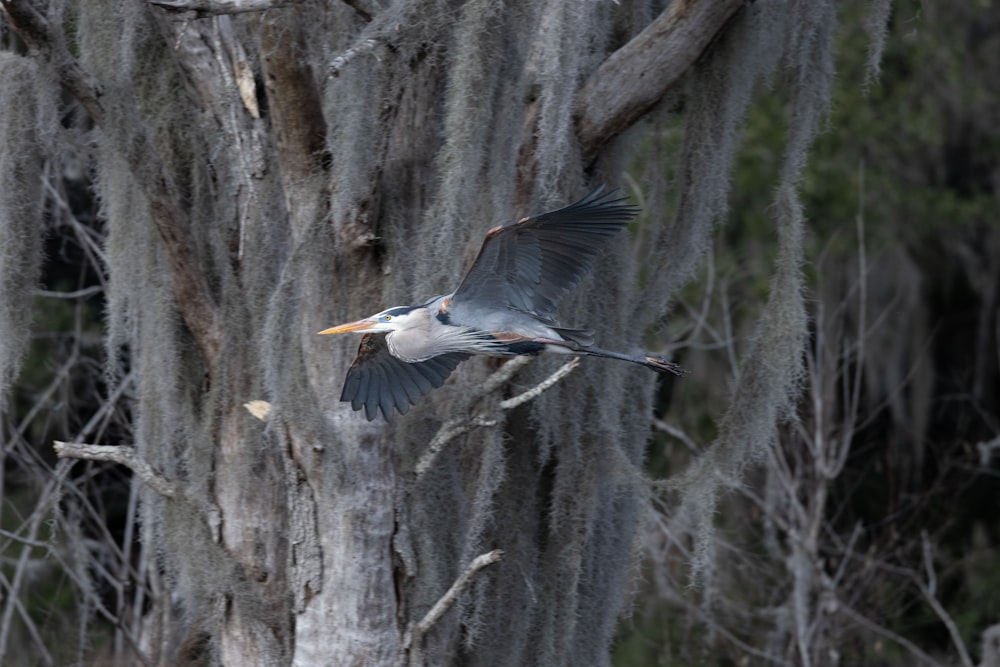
pixel 929 591
pixel 676 433
pixel 76 294
pixel 124 455
pixel 866 622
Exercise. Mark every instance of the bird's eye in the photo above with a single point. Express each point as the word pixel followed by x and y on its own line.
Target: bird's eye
pixel 386 318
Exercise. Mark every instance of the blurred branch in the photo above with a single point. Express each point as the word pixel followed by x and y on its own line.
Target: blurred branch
pixel 929 591
pixel 16 604
pixel 124 455
pixel 986 449
pixel 677 434
pixel 204 8
pixel 361 47
pixel 871 625
pixel 75 294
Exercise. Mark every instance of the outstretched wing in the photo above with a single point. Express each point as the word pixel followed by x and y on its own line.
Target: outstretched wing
pixel 379 381
pixel 529 265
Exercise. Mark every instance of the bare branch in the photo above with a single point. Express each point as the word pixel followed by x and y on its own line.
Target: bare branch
pixel 463 581
pixel 205 8
pixel 882 631
pixel 637 76
pixel 448 431
pixel 456 427
pixel 124 455
pixel 75 294
pixel 545 384
pixel 363 46
pixel 457 588
pixel 677 434
pixel 929 591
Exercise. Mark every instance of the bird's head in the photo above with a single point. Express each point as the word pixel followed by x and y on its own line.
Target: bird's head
pixel 391 319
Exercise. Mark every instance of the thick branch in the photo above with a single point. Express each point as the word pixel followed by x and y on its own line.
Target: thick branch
pixel 637 76
pixel 189 283
pixel 32 27
pixel 123 455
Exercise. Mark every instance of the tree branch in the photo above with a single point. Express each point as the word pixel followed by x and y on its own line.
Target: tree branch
pixel 32 27
pixel 123 455
pixel 545 384
pixel 463 581
pixel 929 591
pixel 637 76
pixel 204 8
pixel 456 427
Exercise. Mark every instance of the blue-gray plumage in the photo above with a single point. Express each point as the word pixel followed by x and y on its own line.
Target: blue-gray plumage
pixel 505 306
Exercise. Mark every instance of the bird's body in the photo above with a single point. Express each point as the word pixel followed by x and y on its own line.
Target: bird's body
pixel 505 306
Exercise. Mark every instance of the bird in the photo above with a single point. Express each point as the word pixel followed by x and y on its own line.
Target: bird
pixel 504 306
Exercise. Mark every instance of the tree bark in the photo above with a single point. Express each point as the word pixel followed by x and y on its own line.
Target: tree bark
pixel 633 79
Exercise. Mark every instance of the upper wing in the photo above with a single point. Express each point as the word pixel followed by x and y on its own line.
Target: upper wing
pixel 529 265
pixel 379 381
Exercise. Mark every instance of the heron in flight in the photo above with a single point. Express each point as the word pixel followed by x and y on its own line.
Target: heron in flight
pixel 505 306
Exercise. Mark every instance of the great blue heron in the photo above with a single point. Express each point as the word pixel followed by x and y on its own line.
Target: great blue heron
pixel 505 306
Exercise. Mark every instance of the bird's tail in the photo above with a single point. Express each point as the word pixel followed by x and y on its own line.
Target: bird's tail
pixel 653 361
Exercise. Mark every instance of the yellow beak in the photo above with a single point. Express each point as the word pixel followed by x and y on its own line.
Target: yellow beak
pixel 360 325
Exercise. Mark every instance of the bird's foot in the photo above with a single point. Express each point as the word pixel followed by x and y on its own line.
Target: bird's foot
pixel 658 363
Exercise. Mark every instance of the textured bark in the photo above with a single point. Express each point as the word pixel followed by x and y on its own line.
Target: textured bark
pixel 637 76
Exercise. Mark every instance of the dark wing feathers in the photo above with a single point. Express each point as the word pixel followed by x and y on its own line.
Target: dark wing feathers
pixel 531 264
pixel 378 381
pixel 528 265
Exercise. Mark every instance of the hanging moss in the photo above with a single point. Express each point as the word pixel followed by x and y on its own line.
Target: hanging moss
pixel 27 113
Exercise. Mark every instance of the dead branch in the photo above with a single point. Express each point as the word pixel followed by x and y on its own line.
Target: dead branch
pixel 456 427
pixel 123 455
pixel 449 430
pixel 464 580
pixel 882 631
pixel 929 591
pixel 545 384
pixel 204 8
pixel 363 46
